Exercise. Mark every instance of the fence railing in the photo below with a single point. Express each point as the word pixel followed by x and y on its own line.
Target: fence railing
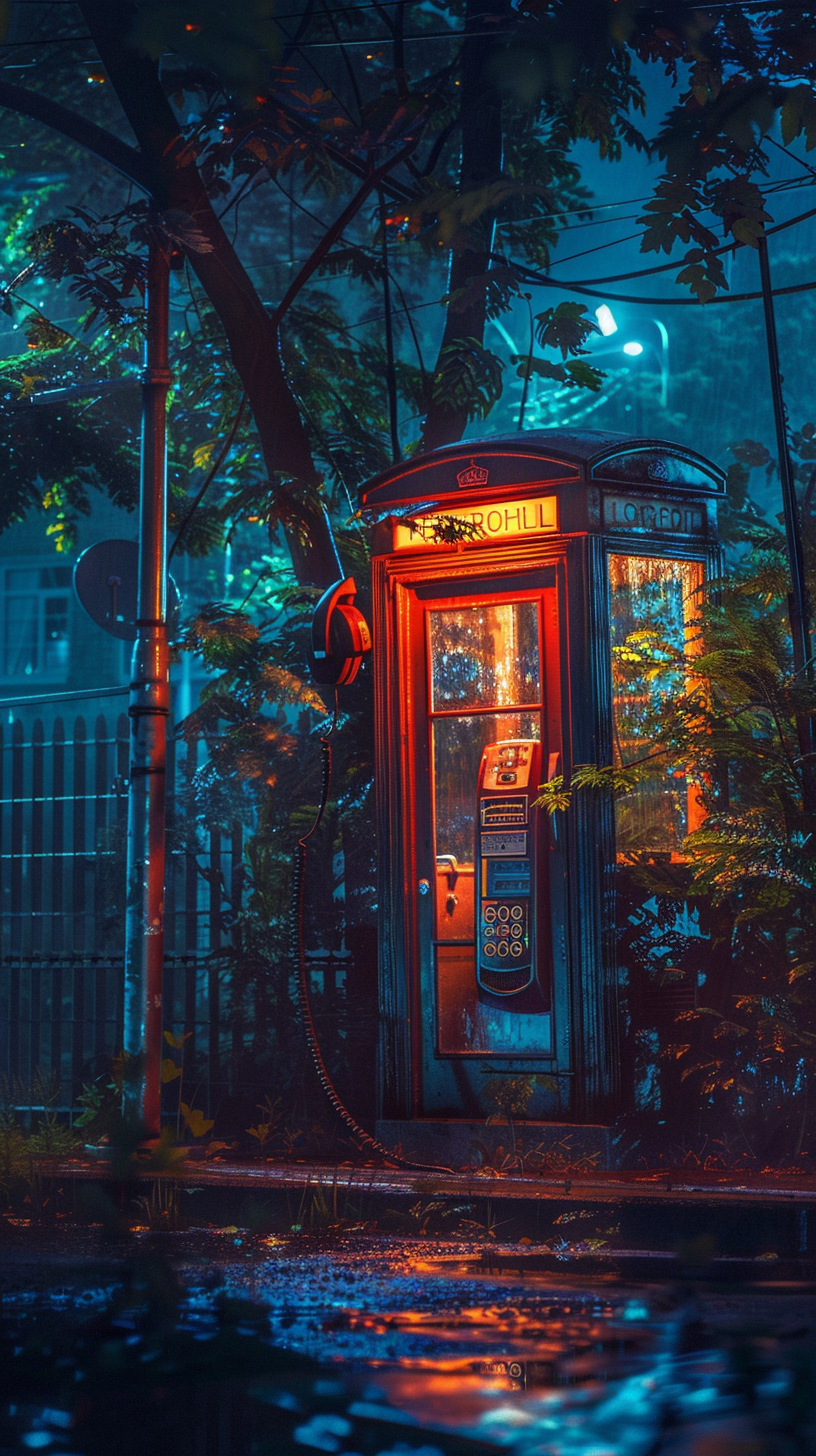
pixel 63 823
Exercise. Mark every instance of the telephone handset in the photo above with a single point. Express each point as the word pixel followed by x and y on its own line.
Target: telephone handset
pixel 506 855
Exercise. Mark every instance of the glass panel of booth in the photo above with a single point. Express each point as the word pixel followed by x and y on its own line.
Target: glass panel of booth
pixel 485 686
pixel 485 656
pixel 654 611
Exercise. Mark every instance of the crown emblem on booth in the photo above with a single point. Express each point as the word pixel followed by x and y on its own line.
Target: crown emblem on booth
pixel 472 476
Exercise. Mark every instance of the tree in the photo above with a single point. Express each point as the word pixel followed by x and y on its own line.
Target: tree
pixel 218 111
pixel 453 137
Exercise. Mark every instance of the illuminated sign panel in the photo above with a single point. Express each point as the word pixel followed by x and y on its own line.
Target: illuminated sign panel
pixel 679 517
pixel 495 521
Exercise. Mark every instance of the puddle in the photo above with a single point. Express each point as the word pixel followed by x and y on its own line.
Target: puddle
pixel 386 1348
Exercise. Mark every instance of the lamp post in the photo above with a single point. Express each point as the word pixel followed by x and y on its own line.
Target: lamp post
pixel 634 348
pixel 148 712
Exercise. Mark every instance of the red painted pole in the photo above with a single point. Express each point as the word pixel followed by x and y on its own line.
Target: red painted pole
pixel 148 710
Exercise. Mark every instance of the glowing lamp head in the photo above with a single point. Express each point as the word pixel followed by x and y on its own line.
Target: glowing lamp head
pixel 633 348
pixel 606 320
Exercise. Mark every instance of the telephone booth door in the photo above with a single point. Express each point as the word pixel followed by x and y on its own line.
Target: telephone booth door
pixel 482 712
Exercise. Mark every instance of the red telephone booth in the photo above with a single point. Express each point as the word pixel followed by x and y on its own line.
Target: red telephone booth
pixel 493 660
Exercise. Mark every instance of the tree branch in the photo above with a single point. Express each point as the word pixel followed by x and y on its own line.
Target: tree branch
pixel 175 183
pixel 395 190
pixel 480 120
pixel 123 158
pixel 336 230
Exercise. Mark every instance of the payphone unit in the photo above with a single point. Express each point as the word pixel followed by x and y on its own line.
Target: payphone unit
pixel 506 860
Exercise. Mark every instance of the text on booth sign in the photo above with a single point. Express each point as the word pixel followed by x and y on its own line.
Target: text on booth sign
pixel 498 519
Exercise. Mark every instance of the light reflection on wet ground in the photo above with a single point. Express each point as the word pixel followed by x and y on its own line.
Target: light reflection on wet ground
pixel 424 1350
pixel 533 1363
pixel 381 1303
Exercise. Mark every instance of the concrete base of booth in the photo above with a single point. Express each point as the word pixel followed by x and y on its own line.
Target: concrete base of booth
pixel 559 1147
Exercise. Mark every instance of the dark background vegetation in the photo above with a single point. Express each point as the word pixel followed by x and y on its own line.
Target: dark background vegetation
pixel 375 214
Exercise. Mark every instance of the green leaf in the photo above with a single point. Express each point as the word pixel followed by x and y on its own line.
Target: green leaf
pixel 553 795
pixel 260 1133
pixel 495 289
pixel 698 281
pixel 181 228
pixel 799 115
pixel 468 378
pixel 213 1147
pixel 751 453
pixel 565 327
pixel 584 375
pixel 530 364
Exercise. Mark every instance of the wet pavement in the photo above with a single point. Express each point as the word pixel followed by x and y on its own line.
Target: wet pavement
pixel 371 1346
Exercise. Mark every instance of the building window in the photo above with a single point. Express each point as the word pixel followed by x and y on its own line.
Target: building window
pixel 655 607
pixel 35 623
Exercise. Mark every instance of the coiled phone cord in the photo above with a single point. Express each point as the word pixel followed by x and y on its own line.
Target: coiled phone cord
pixel 299 955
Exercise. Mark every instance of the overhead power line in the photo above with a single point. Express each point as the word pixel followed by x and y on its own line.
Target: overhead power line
pixel 667 302
pixel 532 276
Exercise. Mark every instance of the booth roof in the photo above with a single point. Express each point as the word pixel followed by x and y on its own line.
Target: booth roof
pixel 582 448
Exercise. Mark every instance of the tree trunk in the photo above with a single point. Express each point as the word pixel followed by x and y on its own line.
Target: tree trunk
pixel 481 129
pixel 175 183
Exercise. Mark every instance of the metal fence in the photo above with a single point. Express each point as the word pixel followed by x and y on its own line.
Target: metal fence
pixel 63 819
pixel 63 822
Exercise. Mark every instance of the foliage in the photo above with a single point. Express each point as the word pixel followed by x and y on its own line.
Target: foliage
pixel 300 204
pixel 242 123
pixel 29 1145
pixel 469 377
pixel 260 718
pixel 510 1097
pixel 252 124
pixel 732 921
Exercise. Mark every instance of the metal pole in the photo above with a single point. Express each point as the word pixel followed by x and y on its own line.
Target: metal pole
pixel 664 361
pixel 148 710
pixel 390 365
pixel 797 601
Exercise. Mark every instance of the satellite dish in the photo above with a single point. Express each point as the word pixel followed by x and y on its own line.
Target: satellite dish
pixel 105 580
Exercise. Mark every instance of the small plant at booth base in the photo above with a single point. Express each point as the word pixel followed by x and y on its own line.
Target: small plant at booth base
pixel 482 1229
pixel 161 1207
pixel 267 1127
pixel 13 1161
pixel 49 1137
pixel 26 1151
pixel 429 1217
pixel 511 1097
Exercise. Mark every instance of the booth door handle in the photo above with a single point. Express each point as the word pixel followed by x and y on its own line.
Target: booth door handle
pixel 451 902
pixel 424 887
pixel 450 865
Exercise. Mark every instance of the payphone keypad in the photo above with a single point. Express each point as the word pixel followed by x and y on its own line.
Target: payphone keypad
pixel 504 923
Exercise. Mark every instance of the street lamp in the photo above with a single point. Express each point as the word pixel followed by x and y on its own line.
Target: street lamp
pixel 633 348
pixel 606 320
